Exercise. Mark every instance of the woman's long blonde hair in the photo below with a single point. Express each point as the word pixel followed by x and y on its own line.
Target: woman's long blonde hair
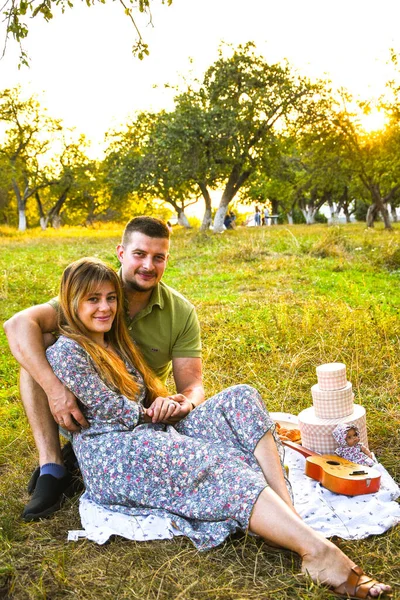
pixel 79 279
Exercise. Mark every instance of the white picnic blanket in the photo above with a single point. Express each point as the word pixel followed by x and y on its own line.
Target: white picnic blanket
pixel 350 518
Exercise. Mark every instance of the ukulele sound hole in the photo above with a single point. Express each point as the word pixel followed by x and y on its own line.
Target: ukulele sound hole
pixel 333 462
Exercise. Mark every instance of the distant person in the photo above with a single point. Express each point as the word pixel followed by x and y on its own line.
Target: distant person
pixel 228 221
pixel 257 217
pixel 266 216
pixel 162 323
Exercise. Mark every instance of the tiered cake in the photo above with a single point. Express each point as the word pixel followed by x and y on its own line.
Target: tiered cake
pixel 332 404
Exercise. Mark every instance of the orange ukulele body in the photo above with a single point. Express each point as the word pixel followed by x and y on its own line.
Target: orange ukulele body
pixel 338 474
pixel 342 476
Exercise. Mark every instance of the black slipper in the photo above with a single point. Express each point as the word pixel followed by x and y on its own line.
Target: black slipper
pixel 48 496
pixel 70 463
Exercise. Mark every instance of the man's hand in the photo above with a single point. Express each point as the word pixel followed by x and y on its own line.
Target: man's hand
pixel 65 410
pixel 170 410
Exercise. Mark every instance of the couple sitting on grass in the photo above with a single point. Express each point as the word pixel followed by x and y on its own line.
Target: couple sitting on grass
pixel 211 466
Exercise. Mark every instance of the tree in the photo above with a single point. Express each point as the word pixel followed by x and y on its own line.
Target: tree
pixel 18 12
pixel 188 134
pixel 146 160
pixel 375 159
pixel 6 208
pixel 326 175
pixel 274 177
pixel 247 101
pixel 28 138
pixel 75 177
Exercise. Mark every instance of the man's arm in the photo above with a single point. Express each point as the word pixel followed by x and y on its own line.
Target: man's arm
pixel 188 378
pixel 24 332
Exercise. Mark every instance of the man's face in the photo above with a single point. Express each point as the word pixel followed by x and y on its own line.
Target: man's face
pixel 143 261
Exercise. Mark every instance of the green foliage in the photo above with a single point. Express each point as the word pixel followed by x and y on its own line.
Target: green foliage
pixel 39 184
pixel 145 160
pixel 361 210
pixel 298 217
pixel 257 131
pixel 320 218
pixel 17 13
pixel 373 158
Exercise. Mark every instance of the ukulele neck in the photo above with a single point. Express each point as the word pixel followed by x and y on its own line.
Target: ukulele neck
pixel 304 451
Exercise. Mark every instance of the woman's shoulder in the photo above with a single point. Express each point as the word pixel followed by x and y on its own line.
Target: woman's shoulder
pixel 65 345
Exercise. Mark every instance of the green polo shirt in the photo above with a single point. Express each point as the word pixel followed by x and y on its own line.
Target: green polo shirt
pixel 166 328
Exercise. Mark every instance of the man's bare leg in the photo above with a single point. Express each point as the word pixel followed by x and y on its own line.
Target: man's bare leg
pixel 54 480
pixel 44 428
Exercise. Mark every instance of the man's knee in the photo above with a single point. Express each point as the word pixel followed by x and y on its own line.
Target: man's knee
pixel 48 339
pixel 30 390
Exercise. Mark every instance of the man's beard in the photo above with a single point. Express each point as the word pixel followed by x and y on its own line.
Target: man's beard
pixel 132 286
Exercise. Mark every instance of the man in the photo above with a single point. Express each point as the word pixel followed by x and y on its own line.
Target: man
pixel 161 321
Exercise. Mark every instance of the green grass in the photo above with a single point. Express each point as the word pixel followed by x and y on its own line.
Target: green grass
pixel 273 304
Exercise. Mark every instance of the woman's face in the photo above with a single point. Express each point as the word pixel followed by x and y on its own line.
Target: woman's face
pixel 97 310
pixel 352 437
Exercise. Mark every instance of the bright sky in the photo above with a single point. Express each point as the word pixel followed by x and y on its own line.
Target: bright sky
pixel 84 73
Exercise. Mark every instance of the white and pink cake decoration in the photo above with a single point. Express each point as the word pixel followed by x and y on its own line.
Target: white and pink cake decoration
pixel 333 403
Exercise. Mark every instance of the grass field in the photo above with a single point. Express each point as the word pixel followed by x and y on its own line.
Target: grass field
pixel 273 304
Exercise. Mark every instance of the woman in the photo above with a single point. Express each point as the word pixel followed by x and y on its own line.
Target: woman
pixel 214 472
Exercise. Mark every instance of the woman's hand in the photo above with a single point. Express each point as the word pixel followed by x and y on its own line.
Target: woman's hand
pixel 170 409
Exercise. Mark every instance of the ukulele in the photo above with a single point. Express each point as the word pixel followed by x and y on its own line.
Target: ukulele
pixel 338 474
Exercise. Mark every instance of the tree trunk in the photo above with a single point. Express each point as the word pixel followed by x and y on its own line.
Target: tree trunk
pixel 180 211
pixel 334 210
pixel 394 213
pixel 346 213
pixel 309 213
pixel 380 205
pixel 54 213
pixel 371 215
pixel 310 208
pixel 227 196
pixel 42 217
pixel 207 220
pixel 234 183
pixel 21 204
pixel 274 206
pixel 290 217
pixel 385 216
pixel 219 218
pixel 346 208
pixel 56 221
pixel 21 220
pixel 182 219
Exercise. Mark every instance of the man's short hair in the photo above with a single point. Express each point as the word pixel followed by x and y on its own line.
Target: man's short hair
pixel 149 226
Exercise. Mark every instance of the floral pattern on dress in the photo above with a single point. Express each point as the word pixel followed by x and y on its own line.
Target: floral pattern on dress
pixel 201 473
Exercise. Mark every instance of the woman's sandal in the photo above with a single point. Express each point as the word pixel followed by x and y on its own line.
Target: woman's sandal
pixel 357 585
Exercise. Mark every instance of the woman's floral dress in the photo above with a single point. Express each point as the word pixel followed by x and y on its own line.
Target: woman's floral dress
pixel 201 473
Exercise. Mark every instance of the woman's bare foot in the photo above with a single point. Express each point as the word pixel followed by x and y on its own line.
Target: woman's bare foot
pixel 328 566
